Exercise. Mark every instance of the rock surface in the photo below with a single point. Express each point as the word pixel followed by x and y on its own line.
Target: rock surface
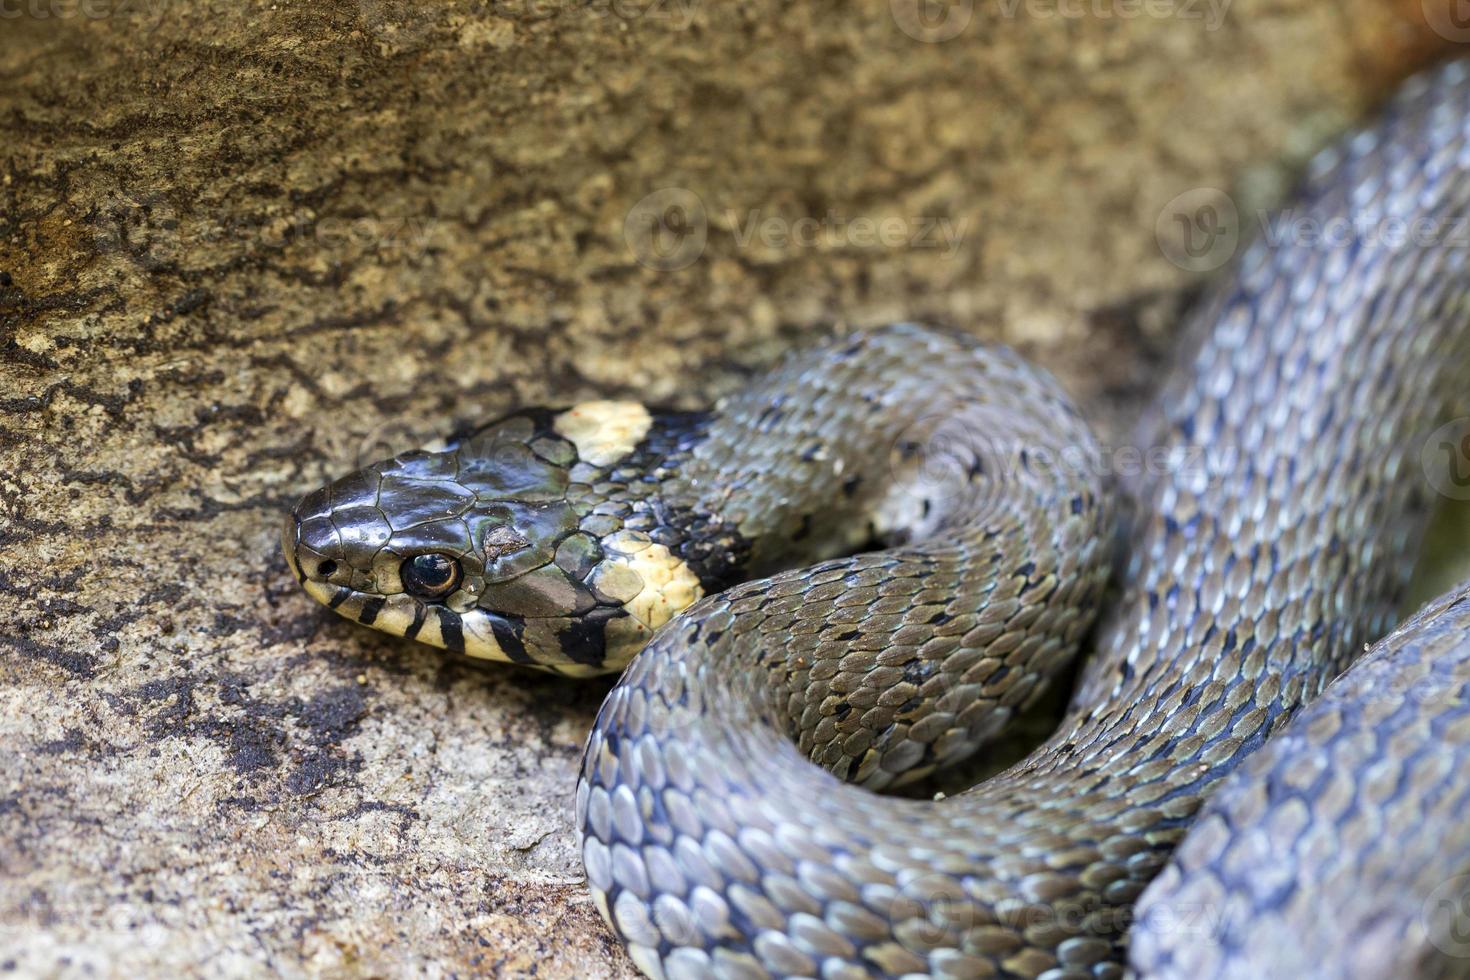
pixel 244 247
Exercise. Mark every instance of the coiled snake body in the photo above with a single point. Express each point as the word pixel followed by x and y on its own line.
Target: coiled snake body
pixel 730 824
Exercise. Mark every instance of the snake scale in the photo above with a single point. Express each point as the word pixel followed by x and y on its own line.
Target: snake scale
pixel 857 570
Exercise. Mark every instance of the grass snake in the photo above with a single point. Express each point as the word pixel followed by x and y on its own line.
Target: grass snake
pixel 857 570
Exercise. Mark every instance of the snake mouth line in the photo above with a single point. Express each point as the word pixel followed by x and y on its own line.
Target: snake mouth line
pixel 288 548
pixel 478 634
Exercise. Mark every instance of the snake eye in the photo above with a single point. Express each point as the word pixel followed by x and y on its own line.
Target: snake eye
pixel 430 576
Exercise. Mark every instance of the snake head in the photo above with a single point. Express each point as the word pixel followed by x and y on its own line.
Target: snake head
pixel 502 547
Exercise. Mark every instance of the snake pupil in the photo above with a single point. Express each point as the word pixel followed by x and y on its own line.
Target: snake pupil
pixel 326 569
pixel 430 576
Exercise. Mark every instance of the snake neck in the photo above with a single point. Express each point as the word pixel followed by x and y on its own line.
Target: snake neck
pixel 878 439
pixel 629 480
pixel 973 474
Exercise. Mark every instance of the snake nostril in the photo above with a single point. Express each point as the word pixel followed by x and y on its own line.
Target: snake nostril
pixel 326 568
